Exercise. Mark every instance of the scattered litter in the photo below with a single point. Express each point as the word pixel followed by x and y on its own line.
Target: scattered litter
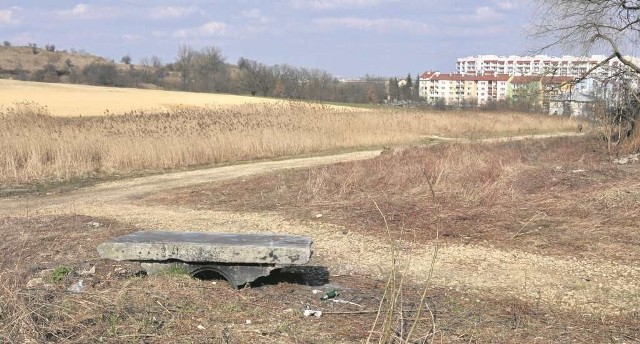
pixel 200 327
pixel 77 287
pixel 627 159
pixel 310 312
pixel 345 301
pixel 330 295
pixel 89 272
pixel 316 291
pixel 318 216
pixel 94 224
pixel 248 322
pixel 578 171
pixel 35 282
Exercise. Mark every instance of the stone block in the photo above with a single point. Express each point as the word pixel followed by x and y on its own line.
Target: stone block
pixel 203 247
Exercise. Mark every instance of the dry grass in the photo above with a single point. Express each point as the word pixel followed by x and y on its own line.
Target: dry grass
pixel 560 197
pixel 38 147
pixel 119 307
pixel 12 58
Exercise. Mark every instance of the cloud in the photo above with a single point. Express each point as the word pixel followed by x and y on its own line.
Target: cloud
pixel 332 4
pixel 7 16
pixel 506 5
pixel 255 14
pixel 212 28
pixel 132 38
pixel 84 11
pixel 379 25
pixel 79 9
pixel 482 14
pixel 172 12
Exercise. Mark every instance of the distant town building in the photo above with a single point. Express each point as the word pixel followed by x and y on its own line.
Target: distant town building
pixel 555 84
pixel 461 89
pixel 538 65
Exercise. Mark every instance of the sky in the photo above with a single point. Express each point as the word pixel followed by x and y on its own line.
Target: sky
pixel 348 38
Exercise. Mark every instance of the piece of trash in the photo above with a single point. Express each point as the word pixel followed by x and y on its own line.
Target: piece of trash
pixel 248 321
pixel 77 287
pixel 89 272
pixel 316 291
pixel 330 295
pixel 310 312
pixel 318 216
pixel 94 224
pixel 345 301
pixel 626 159
pixel 35 282
pixel 200 327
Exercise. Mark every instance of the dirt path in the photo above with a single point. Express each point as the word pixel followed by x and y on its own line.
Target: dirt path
pixel 594 286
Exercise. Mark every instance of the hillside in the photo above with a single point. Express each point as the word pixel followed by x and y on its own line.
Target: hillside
pixel 13 59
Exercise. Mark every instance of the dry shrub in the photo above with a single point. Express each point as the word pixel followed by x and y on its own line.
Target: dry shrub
pixel 41 148
pixel 559 196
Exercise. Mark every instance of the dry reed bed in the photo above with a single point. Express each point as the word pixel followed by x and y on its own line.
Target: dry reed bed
pixel 37 147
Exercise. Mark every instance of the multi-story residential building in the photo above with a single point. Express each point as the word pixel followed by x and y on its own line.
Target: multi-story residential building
pixel 539 91
pixel 459 89
pixel 534 82
pixel 538 65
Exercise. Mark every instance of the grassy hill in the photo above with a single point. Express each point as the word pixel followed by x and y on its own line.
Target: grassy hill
pixel 28 59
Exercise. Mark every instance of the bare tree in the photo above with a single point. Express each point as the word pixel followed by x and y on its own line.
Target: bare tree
pixel 612 26
pixel 256 77
pixel 584 25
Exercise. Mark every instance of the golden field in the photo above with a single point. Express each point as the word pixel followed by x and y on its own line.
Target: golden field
pixel 47 141
pixel 81 100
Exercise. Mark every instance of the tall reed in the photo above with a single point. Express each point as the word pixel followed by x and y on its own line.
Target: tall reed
pixel 37 147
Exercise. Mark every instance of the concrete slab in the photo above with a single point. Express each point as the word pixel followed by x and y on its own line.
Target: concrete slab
pixel 202 247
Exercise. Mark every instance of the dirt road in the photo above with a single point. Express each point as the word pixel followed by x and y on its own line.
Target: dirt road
pixel 587 286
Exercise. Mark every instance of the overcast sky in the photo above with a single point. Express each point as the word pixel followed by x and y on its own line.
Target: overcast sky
pixel 348 38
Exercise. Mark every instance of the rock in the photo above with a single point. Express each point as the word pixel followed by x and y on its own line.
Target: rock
pixel 209 247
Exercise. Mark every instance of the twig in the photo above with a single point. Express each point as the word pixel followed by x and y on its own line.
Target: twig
pixel 165 308
pixel 432 265
pixel 353 312
pixel 527 223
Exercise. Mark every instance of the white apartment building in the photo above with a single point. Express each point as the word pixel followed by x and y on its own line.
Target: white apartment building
pixel 536 65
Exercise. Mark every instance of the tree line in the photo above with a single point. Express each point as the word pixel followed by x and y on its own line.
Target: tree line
pixel 207 70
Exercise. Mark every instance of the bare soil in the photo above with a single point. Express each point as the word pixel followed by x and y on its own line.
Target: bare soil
pixel 537 243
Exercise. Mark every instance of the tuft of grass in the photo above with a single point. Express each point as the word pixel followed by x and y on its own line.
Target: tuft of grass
pixel 175 270
pixel 60 272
